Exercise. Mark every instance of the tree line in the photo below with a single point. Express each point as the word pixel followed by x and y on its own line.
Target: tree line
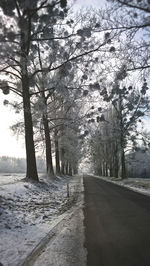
pixel 18 165
pixel 59 63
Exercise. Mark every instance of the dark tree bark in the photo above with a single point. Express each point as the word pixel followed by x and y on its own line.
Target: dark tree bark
pixel 106 169
pixel 75 170
pixel 67 167
pixel 29 142
pixel 62 161
pixel 111 169
pixel 116 167
pixel 115 160
pixel 98 170
pixel 103 168
pixel 57 157
pixel 49 162
pixel 70 169
pixel 123 165
pixel 122 139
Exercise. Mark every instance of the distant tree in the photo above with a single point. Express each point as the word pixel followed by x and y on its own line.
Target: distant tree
pixel 105 145
pixel 138 163
pixel 129 105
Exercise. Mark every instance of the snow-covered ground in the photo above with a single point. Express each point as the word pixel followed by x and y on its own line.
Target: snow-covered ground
pixel 8 178
pixel 67 248
pixel 141 185
pixel 28 211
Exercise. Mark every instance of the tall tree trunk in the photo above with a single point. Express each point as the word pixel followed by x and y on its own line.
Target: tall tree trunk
pixel 57 157
pixel 70 169
pixel 75 170
pixel 29 142
pixel 62 161
pixel 67 168
pixel 103 169
pixel 100 170
pixel 49 162
pixel 111 169
pixel 106 169
pixel 123 166
pixel 122 140
pixel 115 161
pixel 62 168
pixel 116 168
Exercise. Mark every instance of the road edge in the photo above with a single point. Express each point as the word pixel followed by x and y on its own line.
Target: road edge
pixel 134 189
pixel 54 230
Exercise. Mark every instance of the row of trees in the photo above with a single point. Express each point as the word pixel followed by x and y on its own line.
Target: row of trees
pixel 127 94
pixel 18 165
pixel 57 63
pixel 137 163
pixel 120 130
pixel 40 53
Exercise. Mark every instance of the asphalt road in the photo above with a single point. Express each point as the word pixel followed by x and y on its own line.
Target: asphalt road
pixel 117 225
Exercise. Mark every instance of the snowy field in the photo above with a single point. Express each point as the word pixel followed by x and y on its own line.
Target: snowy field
pixel 8 178
pixel 28 211
pixel 141 185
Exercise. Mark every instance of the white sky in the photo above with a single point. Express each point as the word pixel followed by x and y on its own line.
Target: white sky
pixel 9 144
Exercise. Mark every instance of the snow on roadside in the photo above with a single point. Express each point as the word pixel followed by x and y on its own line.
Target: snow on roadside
pixel 67 248
pixel 141 185
pixel 28 211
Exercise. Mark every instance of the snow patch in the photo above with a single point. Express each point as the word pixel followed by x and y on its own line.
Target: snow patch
pixel 140 185
pixel 28 211
pixel 68 246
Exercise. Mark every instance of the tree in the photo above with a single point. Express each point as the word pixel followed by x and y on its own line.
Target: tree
pixel 104 144
pixel 129 106
pixel 17 39
pixel 131 20
pixel 33 26
pixel 138 163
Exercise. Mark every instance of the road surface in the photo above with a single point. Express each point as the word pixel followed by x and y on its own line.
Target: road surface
pixel 117 225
